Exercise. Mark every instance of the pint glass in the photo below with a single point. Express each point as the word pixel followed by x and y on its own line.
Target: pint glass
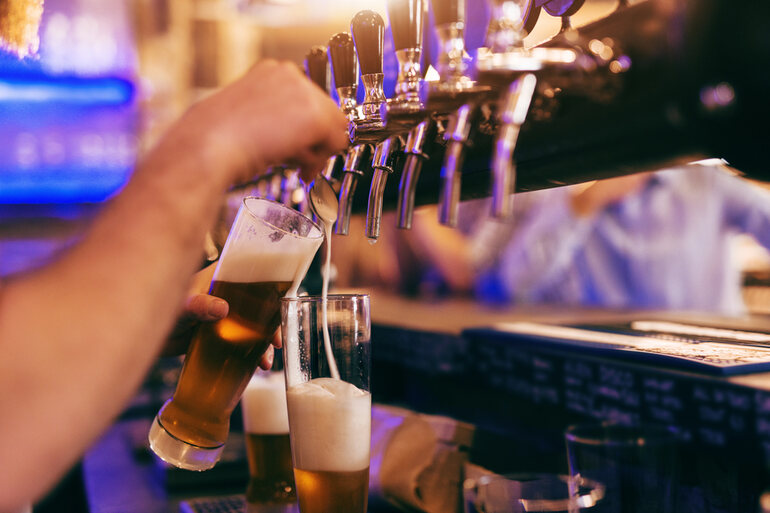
pixel 329 417
pixel 266 427
pixel 268 250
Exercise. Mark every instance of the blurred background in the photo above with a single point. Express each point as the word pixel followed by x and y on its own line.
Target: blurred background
pixel 111 75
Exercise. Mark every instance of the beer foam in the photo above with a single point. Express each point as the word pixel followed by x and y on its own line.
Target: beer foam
pixel 264 405
pixel 259 266
pixel 331 425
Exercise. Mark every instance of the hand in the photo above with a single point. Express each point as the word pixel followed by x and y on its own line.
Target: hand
pixel 272 115
pixel 202 308
pixel 199 308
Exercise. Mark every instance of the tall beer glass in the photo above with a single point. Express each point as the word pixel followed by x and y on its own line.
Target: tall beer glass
pixel 266 426
pixel 329 418
pixel 268 250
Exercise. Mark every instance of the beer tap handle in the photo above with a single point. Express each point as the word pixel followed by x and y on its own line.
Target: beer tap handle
pixel 317 68
pixel 368 33
pixel 344 63
pixel 406 22
pixel 449 16
pixel 513 114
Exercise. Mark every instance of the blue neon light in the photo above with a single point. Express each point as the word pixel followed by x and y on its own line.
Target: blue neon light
pixel 67 91
pixel 61 186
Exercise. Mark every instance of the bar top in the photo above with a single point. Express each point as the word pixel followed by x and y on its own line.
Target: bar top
pixel 452 316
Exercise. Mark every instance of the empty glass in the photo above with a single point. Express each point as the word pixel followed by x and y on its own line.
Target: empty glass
pixel 518 493
pixel 637 464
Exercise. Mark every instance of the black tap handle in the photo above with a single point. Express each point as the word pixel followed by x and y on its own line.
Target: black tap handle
pixel 317 67
pixel 406 21
pixel 368 33
pixel 342 55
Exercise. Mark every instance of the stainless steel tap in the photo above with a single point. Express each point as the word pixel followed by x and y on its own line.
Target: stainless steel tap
pixel 344 63
pixel 317 70
pixel 382 164
pixel 456 136
pixel 415 157
pixel 454 89
pixel 368 30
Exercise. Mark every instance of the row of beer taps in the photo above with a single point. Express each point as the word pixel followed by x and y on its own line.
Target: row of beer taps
pixel 494 94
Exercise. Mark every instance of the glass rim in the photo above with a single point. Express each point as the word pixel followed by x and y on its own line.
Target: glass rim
pixel 589 494
pixel 278 228
pixel 606 433
pixel 317 298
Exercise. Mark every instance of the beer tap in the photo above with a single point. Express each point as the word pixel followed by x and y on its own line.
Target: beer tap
pixel 406 21
pixel 368 30
pixel 454 89
pixel 317 70
pixel 510 69
pixel 406 110
pixel 344 63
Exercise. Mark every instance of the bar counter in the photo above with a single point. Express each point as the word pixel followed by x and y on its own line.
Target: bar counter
pixel 519 399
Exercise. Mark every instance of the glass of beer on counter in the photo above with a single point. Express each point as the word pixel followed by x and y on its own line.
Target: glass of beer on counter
pixel 327 368
pixel 266 428
pixel 266 255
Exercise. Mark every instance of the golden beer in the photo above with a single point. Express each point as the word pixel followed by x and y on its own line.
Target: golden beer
pixel 267 252
pixel 271 478
pixel 330 422
pixel 266 425
pixel 222 358
pixel 326 492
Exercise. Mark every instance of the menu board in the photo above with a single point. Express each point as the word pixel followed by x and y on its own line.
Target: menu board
pixel 688 346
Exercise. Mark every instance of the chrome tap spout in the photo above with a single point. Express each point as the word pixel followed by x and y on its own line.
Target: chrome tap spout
pixel 351 174
pixel 513 114
pixel 382 165
pixel 456 136
pixel 412 167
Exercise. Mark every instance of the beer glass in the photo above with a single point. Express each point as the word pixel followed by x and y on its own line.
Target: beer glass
pixel 521 493
pixel 267 253
pixel 638 465
pixel 327 392
pixel 266 428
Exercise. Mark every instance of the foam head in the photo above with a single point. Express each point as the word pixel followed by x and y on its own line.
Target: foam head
pixel 331 425
pixel 268 242
pixel 264 405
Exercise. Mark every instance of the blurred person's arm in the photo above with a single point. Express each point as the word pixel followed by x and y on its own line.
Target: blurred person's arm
pixel 746 205
pixel 77 336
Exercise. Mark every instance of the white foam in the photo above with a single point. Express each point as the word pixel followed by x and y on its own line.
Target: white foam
pixel 331 425
pixel 261 266
pixel 264 404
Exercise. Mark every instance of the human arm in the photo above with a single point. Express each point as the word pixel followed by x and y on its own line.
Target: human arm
pixel 746 205
pixel 77 336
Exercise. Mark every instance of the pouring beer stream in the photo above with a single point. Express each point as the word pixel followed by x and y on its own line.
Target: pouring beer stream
pixel 323 202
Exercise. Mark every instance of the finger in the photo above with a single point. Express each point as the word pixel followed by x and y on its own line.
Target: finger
pixel 266 361
pixel 277 340
pixel 203 307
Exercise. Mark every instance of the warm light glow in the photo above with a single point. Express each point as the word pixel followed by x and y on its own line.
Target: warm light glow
pixel 432 75
pixel 19 23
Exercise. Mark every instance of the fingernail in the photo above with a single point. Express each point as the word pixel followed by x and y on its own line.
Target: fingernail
pixel 270 356
pixel 218 308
